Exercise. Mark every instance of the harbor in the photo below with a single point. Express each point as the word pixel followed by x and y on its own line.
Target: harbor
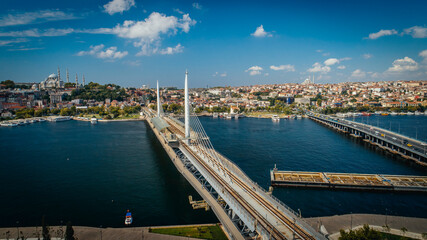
pixel 351 181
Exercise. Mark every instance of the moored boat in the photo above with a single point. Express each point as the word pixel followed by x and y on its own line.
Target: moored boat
pixel 275 118
pixel 128 219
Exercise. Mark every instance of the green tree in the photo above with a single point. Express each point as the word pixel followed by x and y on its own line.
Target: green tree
pixel 364 233
pixel 65 112
pixel 8 83
pixel 69 232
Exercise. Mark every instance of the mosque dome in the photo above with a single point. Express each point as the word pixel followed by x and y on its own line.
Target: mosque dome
pixel 53 75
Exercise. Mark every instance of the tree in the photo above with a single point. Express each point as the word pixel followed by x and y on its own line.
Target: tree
pixel 45 229
pixel 65 112
pixel 8 83
pixel 364 233
pixel 69 232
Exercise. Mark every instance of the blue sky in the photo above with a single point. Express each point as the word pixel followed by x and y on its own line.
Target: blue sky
pixel 132 42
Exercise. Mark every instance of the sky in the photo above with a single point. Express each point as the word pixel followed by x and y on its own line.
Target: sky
pixel 221 43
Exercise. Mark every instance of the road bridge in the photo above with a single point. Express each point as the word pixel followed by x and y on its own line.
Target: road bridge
pixel 395 143
pixel 245 209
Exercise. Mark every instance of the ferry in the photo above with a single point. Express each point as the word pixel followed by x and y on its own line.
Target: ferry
pixel 58 119
pixel 128 219
pixel 275 118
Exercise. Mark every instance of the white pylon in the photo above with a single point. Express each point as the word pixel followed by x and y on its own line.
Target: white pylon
pixel 158 100
pixel 187 107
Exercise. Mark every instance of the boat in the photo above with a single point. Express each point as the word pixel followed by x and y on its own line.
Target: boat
pixel 393 113
pixel 366 114
pixel 8 124
pixel 58 119
pixel 42 120
pixel 93 120
pixel 128 219
pixel 215 115
pixel 299 116
pixel 275 118
pixel 384 114
pixel 236 116
pixel 33 121
pixel 410 113
pixel 417 113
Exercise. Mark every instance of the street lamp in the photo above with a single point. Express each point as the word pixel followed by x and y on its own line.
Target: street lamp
pixel 101 231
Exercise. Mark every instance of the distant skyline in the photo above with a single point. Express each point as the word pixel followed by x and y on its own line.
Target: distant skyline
pixel 234 43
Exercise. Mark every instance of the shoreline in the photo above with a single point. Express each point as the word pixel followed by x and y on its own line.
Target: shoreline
pixel 415 228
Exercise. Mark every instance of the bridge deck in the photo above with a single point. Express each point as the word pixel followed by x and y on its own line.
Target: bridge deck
pixel 349 181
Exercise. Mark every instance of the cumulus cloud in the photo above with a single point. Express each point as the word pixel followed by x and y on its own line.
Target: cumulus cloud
pixel 341 67
pixel 118 6
pixel 172 50
pixel 331 61
pixel 260 32
pixel 416 32
pixel 147 33
pixel 423 54
pixel 367 56
pixel 287 68
pixel 402 65
pixel 34 17
pixel 197 5
pixel 98 51
pixel 319 68
pixel 358 74
pixel 254 70
pixel 382 33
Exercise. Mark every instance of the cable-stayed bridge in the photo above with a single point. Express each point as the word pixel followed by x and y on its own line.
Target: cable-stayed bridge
pixel 245 209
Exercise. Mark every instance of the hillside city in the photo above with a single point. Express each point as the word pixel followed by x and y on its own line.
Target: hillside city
pixel 54 97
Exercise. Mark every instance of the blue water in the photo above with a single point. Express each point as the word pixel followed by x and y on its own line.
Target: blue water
pixel 304 145
pixel 90 174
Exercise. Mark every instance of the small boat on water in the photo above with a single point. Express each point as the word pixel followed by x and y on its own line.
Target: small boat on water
pixel 93 120
pixel 366 114
pixel 384 114
pixel 275 118
pixel 128 219
pixel 8 124
pixel 393 113
pixel 215 115
pixel 410 113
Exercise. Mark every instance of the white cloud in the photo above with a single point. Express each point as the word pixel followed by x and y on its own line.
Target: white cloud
pixel 260 32
pixel 319 50
pixel 382 33
pixel 404 64
pixel 417 32
pixel 345 59
pixel 319 68
pixel 118 6
pixel 34 17
pixel 367 55
pixel 341 67
pixel 52 32
pixel 358 74
pixel 172 50
pixel 424 55
pixel 24 49
pixel 287 68
pixel 110 53
pixel 197 5
pixel 331 61
pixel 148 32
pixel 10 42
pixel 254 70
pixel 178 11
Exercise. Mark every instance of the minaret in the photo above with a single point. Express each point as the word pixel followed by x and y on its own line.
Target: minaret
pixel 58 80
pixel 68 77
pixel 158 100
pixel 77 82
pixel 187 107
pixel 313 78
pixel 59 75
pixel 84 80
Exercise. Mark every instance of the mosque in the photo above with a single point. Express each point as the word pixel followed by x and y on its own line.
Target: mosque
pixel 51 82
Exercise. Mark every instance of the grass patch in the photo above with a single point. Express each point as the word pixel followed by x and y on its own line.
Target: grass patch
pixel 389 236
pixel 205 232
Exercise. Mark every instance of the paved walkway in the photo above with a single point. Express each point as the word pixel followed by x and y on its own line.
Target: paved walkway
pixel 333 224
pixel 91 233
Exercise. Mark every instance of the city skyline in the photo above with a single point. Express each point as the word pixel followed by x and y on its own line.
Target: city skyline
pixel 131 43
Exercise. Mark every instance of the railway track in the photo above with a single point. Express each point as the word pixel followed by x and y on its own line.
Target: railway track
pixel 301 233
